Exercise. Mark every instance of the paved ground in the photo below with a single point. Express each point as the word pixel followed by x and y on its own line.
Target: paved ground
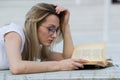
pixel 111 73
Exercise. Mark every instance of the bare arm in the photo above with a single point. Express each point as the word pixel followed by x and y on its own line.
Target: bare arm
pixel 18 66
pixel 68 46
pixel 68 43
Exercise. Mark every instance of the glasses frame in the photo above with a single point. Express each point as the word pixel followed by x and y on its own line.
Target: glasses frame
pixel 51 29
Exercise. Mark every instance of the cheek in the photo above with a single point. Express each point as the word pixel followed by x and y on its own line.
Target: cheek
pixel 42 35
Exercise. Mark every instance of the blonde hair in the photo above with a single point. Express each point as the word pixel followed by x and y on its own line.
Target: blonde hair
pixel 34 18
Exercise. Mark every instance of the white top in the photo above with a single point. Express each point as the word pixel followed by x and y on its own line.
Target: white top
pixel 3 30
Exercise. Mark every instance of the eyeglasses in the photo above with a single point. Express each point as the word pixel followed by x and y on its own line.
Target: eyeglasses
pixel 52 29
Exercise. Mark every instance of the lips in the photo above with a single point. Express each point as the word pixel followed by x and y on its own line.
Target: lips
pixel 50 41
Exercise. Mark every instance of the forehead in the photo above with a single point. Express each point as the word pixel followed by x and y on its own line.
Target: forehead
pixel 52 20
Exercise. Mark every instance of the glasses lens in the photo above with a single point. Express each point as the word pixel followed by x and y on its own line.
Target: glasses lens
pixel 52 29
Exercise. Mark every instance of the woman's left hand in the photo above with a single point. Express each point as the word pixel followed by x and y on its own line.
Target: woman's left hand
pixel 60 9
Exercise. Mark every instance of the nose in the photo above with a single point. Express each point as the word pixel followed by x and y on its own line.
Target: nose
pixel 54 35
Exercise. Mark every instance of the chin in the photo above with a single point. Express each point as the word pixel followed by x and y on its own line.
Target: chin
pixel 47 45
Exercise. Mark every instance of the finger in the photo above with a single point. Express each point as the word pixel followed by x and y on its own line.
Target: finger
pixel 76 68
pixel 78 65
pixel 56 9
pixel 59 9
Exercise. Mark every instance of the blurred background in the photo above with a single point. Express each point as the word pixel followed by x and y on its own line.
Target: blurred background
pixel 90 20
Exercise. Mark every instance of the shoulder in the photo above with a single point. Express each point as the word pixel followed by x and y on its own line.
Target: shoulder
pixel 13 33
pixel 12 37
pixel 12 30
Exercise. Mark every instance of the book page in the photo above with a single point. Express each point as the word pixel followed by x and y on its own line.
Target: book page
pixel 89 52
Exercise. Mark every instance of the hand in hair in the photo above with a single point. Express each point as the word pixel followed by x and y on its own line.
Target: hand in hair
pixel 66 12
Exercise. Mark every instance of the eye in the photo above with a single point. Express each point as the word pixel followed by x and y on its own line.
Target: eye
pixel 51 29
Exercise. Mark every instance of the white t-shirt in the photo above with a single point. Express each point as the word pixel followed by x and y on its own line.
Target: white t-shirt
pixel 3 30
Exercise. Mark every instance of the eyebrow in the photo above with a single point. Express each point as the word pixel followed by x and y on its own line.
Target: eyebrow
pixel 54 26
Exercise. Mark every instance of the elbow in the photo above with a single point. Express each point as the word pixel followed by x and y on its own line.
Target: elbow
pixel 17 69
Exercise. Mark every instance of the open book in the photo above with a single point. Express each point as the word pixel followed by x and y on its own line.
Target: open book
pixel 93 52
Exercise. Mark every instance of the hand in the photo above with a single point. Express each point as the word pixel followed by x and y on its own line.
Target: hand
pixel 71 64
pixel 60 9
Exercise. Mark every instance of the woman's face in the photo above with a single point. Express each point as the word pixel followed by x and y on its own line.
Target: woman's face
pixel 47 30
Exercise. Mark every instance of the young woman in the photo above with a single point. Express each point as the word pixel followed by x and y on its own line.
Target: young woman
pixel 21 47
